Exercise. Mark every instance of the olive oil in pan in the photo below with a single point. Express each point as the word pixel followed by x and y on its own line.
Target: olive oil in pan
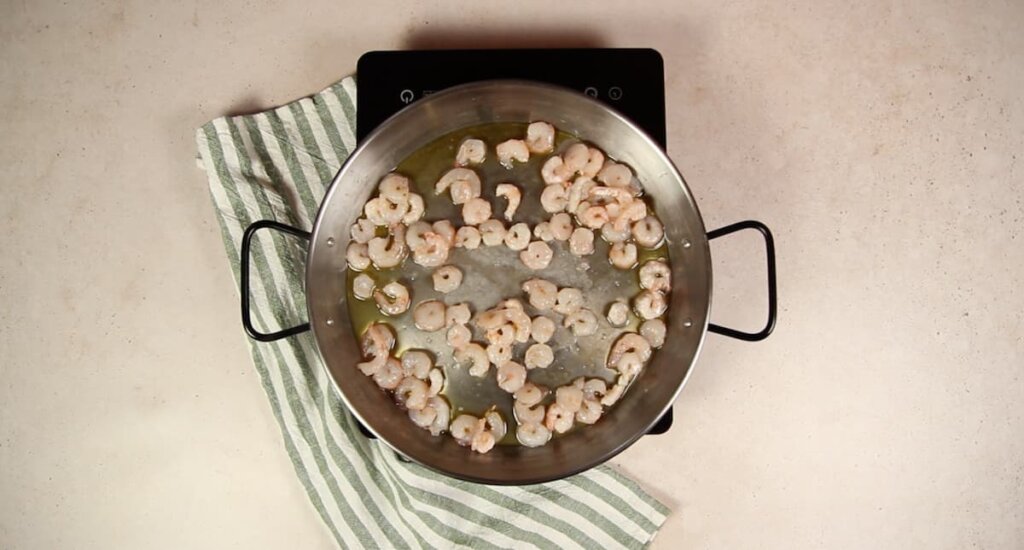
pixel 491 274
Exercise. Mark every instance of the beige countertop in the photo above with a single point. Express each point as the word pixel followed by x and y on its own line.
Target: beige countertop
pixel 883 145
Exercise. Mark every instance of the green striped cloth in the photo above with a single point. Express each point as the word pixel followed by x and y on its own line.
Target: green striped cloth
pixel 276 165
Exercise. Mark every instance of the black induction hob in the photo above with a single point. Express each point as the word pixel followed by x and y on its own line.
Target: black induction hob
pixel 631 81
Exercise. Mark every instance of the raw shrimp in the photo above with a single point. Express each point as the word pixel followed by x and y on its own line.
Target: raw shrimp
pixel 415 234
pixel 393 299
pixel 569 301
pixel 540 137
pixel 429 315
pixel 649 304
pixel 518 236
pixel 499 352
pixel 386 252
pixel 533 434
pixel 629 342
pixel 362 286
pixel 594 217
pixel 464 428
pixel 417 363
pixel 552 171
pixel 595 160
pixel 618 314
pixel 471 151
pixel 613 395
pixel 530 394
pixel 629 366
pixel 538 356
pixel 476 211
pixel 512 194
pixel 411 393
pixel 554 198
pixel 578 192
pixel 558 419
pixel 416 209
pixel 436 379
pixel 467 237
pixel 648 232
pixel 433 252
pixel 537 255
pixel 447 278
pixel 362 231
pixel 492 232
pixel 615 174
pixel 561 226
pixel 594 388
pixel 576 157
pixel 542 329
pixel 390 375
pixel 511 376
pixel 458 336
pixel 502 335
pixel 590 411
pixel 475 354
pixel 512 150
pixel 612 235
pixel 582 323
pixel 457 314
pixel 526 414
pixel 543 231
pixel 655 275
pixel 358 256
pixel 622 255
pixel 542 294
pixel 469 177
pixel 521 323
pixel 569 398
pixel 581 243
pixel 653 330
pixel 446 230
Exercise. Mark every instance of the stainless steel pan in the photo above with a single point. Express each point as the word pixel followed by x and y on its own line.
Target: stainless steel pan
pixel 511 101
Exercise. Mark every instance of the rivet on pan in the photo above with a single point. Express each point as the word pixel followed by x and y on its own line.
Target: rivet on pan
pixel 686 244
pixel 687 323
pixel 330 241
pixel 330 322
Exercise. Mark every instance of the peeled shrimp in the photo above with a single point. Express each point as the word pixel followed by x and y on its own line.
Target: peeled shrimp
pixel 540 137
pixel 492 232
pixel 457 314
pixel 655 275
pixel 578 192
pixel 411 393
pixel 526 414
pixel 417 363
pixel 552 171
pixel 653 330
pixel 467 237
pixel 358 256
pixel 362 286
pixel 581 243
pixel 446 230
pixel 512 150
pixel 622 255
pixel 590 411
pixel 429 315
pixel 471 151
pixel 612 235
pixel 482 442
pixel 416 209
pixel 423 417
pixel 594 388
pixel 542 294
pixel 582 323
pixel 458 336
pixel 377 342
pixel 628 343
pixel 476 355
pixel 511 376
pixel 576 157
pixel 649 304
pixel 595 160
pixel 394 187
pixel 415 233
pixel 390 375
pixel 618 314
pixel 362 231
pixel 499 352
pixel 542 329
pixel 533 434
pixel 476 211
pixel 613 395
pixel 433 252
pixel 558 419
pixel 530 394
pixel 543 231
pixel 462 191
pixel 385 211
pixel 436 379
pixel 569 398
pixel 554 198
pixel 648 232
pixel 615 174
pixel 464 428
pixel 393 299
pixel 386 252
pixel 470 180
pixel 561 226
pixel 443 414
pixel 569 301
pixel 447 278
pixel 518 236
pixel 538 356
pixel 594 217
pixel 521 323
pixel 495 424
pixel 374 211
pixel 537 255
pixel 631 212
pixel 514 196
pixel 629 366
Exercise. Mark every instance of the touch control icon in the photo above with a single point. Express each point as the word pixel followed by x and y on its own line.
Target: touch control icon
pixel 590 91
pixel 615 93
pixel 406 96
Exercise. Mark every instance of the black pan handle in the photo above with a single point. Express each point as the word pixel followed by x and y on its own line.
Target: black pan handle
pixel 250 232
pixel 773 308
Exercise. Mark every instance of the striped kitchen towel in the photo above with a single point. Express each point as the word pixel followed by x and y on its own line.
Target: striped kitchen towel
pixel 276 165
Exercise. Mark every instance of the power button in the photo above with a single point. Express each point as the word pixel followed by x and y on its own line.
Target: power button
pixel 406 96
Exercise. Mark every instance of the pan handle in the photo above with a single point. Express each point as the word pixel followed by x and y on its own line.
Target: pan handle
pixel 250 232
pixel 769 245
